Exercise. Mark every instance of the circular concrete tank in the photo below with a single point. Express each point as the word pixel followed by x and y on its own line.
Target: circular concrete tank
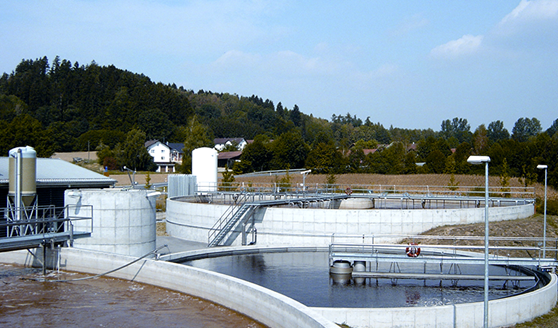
pixel 124 221
pixel 204 167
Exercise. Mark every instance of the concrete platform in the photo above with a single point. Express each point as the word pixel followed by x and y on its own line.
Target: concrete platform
pixel 177 245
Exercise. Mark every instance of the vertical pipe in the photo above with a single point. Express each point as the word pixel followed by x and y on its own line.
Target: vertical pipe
pixel 18 184
pixel 486 234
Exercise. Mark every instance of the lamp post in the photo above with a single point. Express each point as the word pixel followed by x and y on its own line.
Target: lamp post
pixel 545 168
pixel 304 174
pixel 476 160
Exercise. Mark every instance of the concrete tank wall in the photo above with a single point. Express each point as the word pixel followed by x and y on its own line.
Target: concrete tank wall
pixel 124 221
pixel 266 306
pixel 314 226
pixel 503 312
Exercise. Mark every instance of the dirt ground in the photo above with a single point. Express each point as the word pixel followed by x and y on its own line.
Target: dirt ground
pixel 343 180
pixel 69 157
pixel 529 227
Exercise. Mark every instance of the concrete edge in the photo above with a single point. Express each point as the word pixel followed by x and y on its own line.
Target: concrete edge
pixel 502 312
pixel 236 250
pixel 259 303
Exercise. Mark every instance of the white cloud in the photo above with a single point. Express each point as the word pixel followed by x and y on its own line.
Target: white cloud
pixel 466 45
pixel 532 11
pixel 531 26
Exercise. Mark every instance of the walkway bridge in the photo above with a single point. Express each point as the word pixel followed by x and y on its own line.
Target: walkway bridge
pixel 367 258
pixel 44 226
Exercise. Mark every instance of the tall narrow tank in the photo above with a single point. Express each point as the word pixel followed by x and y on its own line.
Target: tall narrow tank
pixel 27 175
pixel 204 167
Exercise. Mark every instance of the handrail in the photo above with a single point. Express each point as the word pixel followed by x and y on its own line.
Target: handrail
pixel 424 190
pixel 436 237
pixel 227 216
pixel 47 224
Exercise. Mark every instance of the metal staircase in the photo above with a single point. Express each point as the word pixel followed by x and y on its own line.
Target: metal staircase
pixel 239 213
pixel 232 216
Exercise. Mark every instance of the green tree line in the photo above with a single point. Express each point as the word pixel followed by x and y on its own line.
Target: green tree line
pixel 65 106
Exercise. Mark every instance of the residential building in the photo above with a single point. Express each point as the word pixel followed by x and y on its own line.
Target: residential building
pixel 165 155
pixel 221 143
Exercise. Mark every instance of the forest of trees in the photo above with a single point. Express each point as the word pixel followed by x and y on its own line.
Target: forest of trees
pixel 63 106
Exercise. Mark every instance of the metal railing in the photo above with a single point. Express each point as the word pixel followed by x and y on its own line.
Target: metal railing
pixel 356 189
pixel 503 250
pixel 225 223
pixel 377 201
pixel 46 222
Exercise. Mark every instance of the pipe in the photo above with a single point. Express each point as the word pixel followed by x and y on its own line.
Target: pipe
pixel 18 174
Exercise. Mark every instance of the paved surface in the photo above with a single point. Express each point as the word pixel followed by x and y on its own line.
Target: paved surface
pixel 175 245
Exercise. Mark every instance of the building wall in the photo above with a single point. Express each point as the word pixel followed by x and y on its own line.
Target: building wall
pixel 160 153
pixel 315 226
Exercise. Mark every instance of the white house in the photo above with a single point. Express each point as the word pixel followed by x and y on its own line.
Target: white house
pixel 221 143
pixel 165 155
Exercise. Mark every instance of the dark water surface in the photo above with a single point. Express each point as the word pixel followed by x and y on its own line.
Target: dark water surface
pixel 304 276
pixel 102 302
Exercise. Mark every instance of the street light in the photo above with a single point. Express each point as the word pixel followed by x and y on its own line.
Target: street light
pixel 476 160
pixel 304 174
pixel 545 168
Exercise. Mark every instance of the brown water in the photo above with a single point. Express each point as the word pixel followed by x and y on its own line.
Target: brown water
pixel 102 302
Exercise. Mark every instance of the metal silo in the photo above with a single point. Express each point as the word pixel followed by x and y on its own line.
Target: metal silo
pixel 23 173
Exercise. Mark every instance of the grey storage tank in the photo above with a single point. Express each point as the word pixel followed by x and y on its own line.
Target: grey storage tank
pixel 124 220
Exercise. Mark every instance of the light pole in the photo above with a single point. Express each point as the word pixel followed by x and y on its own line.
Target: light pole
pixel 545 168
pixel 304 174
pixel 484 160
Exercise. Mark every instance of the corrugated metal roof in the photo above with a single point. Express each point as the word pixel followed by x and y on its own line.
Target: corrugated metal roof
pixel 52 171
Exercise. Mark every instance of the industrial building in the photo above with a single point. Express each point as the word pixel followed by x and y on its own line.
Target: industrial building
pixel 53 177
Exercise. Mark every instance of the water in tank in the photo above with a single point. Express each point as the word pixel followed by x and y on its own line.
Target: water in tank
pixel 204 167
pixel 28 173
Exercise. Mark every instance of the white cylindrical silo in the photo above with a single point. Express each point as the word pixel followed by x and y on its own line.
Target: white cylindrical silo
pixel 204 167
pixel 124 221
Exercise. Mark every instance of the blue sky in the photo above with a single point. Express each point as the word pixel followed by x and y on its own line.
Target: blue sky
pixel 410 64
